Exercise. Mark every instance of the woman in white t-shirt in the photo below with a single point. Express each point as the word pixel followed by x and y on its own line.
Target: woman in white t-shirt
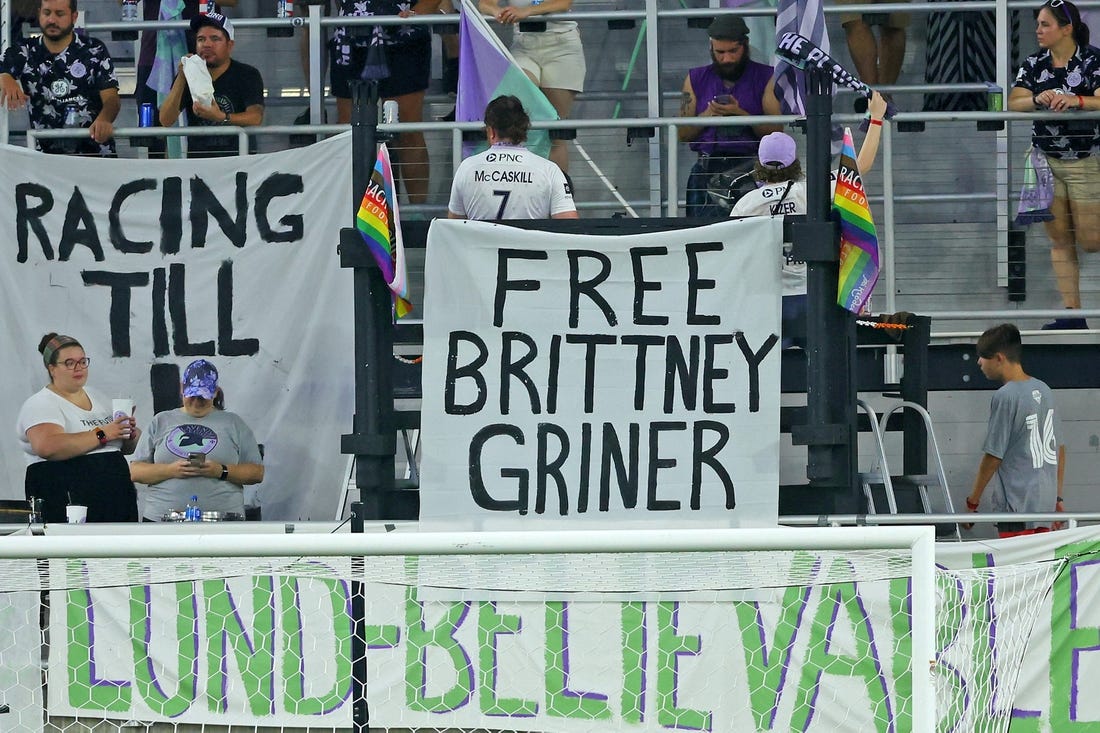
pixel 72 443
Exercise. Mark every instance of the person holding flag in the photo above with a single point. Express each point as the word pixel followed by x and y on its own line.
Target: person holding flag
pixel 553 58
pixel 508 181
pixel 782 190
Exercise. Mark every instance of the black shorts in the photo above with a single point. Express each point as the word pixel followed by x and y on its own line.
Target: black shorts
pixel 410 67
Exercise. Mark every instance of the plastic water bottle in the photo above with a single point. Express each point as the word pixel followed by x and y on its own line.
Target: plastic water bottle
pixel 192 513
pixel 130 11
pixel 389 112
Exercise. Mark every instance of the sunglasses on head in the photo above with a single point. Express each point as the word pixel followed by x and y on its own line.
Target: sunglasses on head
pixel 1054 4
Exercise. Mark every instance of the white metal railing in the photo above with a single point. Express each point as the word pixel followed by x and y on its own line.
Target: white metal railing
pixel 661 192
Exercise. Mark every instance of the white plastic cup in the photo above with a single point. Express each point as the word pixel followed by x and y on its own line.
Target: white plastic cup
pixel 122 407
pixel 76 514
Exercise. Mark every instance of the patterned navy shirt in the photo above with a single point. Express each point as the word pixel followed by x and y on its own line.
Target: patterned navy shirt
pixel 53 83
pixel 1067 138
pixel 390 35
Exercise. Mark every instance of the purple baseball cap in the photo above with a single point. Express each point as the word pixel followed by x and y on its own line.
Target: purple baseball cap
pixel 777 150
pixel 200 379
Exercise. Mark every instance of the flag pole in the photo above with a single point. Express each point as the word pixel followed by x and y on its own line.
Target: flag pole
pixel 373 440
pixel 830 429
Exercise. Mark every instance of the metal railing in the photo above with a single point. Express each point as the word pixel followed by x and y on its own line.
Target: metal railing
pixel 658 191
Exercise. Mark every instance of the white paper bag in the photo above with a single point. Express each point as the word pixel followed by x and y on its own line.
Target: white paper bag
pixel 198 79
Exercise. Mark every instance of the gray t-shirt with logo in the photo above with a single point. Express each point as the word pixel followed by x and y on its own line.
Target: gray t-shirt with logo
pixel 222 436
pixel 1024 433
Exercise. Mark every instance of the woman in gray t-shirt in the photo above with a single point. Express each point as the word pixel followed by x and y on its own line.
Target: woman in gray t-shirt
pixel 196 450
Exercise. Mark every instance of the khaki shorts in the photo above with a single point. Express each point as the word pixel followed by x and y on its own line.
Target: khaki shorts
pixel 893 20
pixel 553 60
pixel 1076 180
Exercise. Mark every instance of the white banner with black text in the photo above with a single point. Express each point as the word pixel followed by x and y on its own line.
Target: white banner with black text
pixel 586 378
pixel 151 264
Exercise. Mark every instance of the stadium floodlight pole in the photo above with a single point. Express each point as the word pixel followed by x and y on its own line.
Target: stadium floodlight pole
pixel 373 440
pixel 830 429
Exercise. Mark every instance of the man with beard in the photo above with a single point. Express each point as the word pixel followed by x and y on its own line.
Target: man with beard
pixel 61 75
pixel 731 85
pixel 238 90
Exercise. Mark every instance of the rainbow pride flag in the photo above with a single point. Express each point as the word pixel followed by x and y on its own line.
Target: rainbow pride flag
pixel 486 70
pixel 858 241
pixel 379 223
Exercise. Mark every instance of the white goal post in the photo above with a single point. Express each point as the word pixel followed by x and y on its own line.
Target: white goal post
pixel 641 630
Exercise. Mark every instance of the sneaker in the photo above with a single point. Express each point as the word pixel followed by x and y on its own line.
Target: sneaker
pixel 1066 324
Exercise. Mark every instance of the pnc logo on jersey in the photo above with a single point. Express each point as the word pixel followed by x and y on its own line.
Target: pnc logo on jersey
pixel 503 157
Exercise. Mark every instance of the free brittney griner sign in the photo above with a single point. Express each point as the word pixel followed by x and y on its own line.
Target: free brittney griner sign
pixel 592 378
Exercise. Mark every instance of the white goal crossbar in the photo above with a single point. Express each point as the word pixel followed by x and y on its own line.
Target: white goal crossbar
pixel 591 559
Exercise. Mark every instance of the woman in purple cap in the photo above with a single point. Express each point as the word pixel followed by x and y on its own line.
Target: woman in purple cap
pixel 198 450
pixel 72 442
pixel 781 189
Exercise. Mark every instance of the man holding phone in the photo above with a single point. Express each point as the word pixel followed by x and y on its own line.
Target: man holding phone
pixel 731 85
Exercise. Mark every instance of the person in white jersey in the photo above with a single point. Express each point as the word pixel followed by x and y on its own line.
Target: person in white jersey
pixel 508 181
pixel 781 189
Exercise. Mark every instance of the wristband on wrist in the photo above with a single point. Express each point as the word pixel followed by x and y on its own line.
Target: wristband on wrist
pixel 225 473
pixel 971 504
pixel 1080 102
pixel 1058 500
pixel 877 122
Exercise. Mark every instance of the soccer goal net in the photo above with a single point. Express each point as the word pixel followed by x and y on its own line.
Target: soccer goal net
pixel 829 629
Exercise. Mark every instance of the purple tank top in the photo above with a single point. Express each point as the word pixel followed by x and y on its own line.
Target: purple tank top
pixel 748 91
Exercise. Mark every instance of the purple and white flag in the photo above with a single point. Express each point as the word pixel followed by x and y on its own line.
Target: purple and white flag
pixel 487 70
pixel 806 18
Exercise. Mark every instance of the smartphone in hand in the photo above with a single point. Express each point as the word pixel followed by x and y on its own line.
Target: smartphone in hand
pixel 723 99
pixel 196 459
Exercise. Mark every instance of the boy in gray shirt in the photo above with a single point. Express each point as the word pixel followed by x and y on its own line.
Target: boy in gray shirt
pixel 1022 445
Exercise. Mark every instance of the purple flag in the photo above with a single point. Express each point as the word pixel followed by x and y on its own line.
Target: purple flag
pixel 487 70
pixel 806 18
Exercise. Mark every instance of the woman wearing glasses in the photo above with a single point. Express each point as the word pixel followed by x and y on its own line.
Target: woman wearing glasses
pixel 73 445
pixel 1064 77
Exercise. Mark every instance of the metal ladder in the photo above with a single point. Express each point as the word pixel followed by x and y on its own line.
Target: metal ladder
pixel 410 438
pixel 880 472
pixel 931 488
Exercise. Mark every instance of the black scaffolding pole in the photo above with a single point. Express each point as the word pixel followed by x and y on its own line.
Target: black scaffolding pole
pixel 373 439
pixel 830 432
